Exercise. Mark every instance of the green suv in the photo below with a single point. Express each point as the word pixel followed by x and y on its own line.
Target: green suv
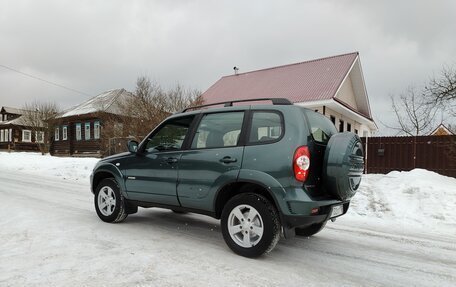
pixel 264 170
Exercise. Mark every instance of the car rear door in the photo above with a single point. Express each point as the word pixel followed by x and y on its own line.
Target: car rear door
pixel 213 159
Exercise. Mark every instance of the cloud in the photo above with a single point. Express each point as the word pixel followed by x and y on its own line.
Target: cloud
pixel 94 46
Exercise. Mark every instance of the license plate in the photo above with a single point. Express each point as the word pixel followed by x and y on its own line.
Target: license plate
pixel 337 210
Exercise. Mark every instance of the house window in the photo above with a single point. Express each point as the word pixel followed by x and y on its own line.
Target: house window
pixel 6 136
pixel 96 130
pixel 10 135
pixel 87 131
pixel 333 119
pixel 5 117
pixel 2 135
pixel 78 132
pixel 349 127
pixel 56 134
pixel 39 137
pixel 64 133
pixel 341 126
pixel 356 131
pixel 26 136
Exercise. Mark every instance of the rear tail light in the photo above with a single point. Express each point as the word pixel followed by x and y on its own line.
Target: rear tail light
pixel 301 163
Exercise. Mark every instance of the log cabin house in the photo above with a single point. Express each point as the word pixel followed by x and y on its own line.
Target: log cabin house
pixel 79 130
pixel 16 136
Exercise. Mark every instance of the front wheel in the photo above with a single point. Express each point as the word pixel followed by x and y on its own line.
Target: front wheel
pixel 109 202
pixel 310 230
pixel 250 225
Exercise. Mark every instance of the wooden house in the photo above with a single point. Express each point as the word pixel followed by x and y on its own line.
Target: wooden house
pixel 442 130
pixel 333 86
pixel 14 135
pixel 79 130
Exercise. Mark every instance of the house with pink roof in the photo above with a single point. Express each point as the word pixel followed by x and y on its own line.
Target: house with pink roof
pixel 333 86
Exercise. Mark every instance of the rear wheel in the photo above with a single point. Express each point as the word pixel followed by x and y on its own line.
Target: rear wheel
pixel 109 202
pixel 250 225
pixel 310 230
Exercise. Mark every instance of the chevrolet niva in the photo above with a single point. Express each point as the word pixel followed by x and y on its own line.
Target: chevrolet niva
pixel 263 170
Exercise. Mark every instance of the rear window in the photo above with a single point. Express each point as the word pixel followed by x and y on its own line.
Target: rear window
pixel 266 127
pixel 321 127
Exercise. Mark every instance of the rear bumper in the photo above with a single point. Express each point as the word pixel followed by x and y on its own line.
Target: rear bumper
pixel 291 221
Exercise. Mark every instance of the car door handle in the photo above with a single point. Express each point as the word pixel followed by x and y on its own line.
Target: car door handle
pixel 171 160
pixel 228 159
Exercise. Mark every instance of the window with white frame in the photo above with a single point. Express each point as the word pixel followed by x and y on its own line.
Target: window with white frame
pixel 6 135
pixel 39 137
pixel 96 130
pixel 57 134
pixel 10 135
pixel 2 134
pixel 87 131
pixel 78 132
pixel 64 133
pixel 26 136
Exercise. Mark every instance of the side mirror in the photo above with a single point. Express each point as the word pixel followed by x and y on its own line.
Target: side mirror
pixel 132 146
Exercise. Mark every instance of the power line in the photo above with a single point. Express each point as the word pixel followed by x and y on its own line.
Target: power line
pixel 46 81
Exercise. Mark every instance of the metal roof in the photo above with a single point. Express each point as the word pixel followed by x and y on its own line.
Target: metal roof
pixel 15 111
pixel 301 82
pixel 106 102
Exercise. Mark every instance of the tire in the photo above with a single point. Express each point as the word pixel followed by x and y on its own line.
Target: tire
pixel 258 223
pixel 310 230
pixel 108 192
pixel 343 165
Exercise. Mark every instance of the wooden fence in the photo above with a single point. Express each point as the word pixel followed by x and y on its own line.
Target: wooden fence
pixel 435 153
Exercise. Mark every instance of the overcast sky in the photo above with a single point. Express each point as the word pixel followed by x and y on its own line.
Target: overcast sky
pixel 93 46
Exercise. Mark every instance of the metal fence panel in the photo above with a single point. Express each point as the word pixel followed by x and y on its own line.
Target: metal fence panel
pixel 435 153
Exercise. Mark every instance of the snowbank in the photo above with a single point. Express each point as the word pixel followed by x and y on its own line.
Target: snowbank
pixel 409 198
pixel 68 168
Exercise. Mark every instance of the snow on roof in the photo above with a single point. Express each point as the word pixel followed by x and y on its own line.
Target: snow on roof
pixel 441 130
pixel 106 102
pixel 15 111
pixel 30 118
pixel 16 121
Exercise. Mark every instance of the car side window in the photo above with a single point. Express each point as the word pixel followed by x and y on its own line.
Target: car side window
pixel 170 136
pixel 266 127
pixel 218 130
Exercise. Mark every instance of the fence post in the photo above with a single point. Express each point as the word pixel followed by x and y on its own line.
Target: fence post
pixel 414 152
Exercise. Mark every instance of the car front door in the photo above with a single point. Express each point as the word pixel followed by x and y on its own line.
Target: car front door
pixel 151 175
pixel 213 158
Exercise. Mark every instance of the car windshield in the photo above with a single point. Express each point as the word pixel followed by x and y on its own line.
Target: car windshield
pixel 321 127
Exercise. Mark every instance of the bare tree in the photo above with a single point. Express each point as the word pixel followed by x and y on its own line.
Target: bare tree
pixel 415 116
pixel 442 89
pixel 149 105
pixel 37 116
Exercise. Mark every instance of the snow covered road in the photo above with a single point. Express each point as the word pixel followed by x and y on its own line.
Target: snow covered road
pixel 51 236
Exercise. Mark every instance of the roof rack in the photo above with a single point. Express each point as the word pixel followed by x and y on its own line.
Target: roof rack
pixel 275 101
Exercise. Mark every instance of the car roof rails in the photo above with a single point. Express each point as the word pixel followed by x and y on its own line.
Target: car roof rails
pixel 275 101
